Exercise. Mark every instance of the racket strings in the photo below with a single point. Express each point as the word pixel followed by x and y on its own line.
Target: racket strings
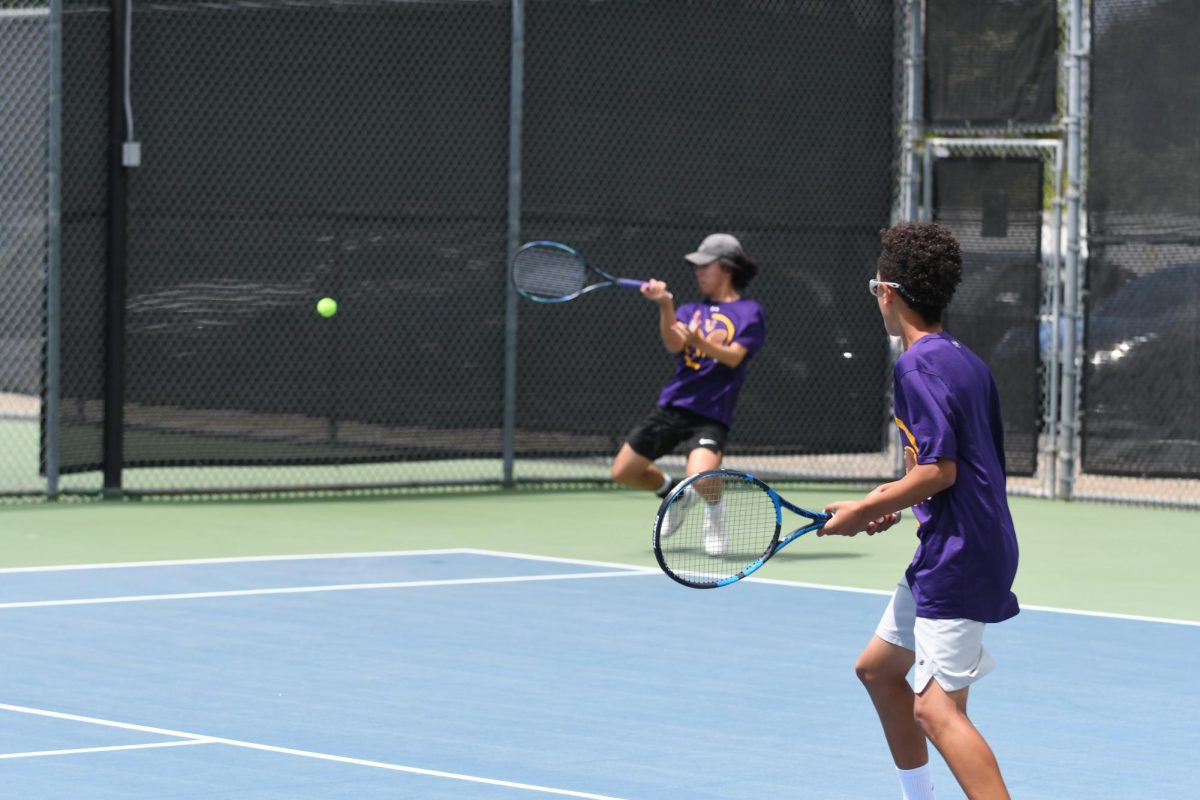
pixel 716 528
pixel 548 272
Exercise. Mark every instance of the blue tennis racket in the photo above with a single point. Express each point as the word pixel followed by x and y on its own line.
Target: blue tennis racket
pixel 719 526
pixel 551 272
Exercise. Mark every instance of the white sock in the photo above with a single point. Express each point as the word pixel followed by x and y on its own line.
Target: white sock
pixel 917 784
pixel 667 483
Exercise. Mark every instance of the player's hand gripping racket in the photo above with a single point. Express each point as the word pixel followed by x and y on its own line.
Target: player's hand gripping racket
pixel 719 526
pixel 550 272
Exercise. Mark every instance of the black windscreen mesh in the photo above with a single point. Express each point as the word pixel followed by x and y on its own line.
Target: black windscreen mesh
pixel 85 81
pixel 294 150
pixel 649 126
pixel 990 62
pixel 24 205
pixel 1141 401
pixel 994 207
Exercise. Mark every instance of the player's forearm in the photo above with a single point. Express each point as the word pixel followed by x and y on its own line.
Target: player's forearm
pixel 671 338
pixel 922 481
pixel 728 354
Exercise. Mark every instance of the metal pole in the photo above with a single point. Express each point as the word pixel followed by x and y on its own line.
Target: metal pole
pixel 50 410
pixel 1068 430
pixel 118 253
pixel 913 117
pixel 516 103
pixel 910 185
pixel 927 182
pixel 1050 480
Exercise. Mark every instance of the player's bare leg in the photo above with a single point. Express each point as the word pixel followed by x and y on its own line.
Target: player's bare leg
pixel 883 668
pixel 700 460
pixel 716 538
pixel 635 471
pixel 943 717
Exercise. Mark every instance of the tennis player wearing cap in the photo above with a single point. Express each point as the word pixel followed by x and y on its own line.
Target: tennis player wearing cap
pixel 714 339
pixel 960 579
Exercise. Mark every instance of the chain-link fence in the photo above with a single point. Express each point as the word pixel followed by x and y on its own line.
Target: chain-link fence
pixel 994 207
pixel 650 125
pixel 86 95
pixel 1003 200
pixel 1141 390
pixel 355 150
pixel 24 236
pixel 391 154
pixel 991 64
pixel 361 150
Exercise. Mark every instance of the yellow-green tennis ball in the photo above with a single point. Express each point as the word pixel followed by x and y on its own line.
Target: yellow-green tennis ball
pixel 327 307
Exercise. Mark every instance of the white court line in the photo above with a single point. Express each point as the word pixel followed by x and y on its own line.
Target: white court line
pixel 199 739
pixel 830 588
pixel 184 562
pixel 475 551
pixel 1024 606
pixel 341 587
pixel 1108 615
pixel 110 749
pixel 527 557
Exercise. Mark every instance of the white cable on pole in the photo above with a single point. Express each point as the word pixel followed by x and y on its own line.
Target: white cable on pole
pixel 131 151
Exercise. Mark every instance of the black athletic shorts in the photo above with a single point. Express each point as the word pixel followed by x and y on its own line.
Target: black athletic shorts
pixel 662 431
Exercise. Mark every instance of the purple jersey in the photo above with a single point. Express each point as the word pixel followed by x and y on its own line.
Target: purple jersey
pixel 701 384
pixel 947 407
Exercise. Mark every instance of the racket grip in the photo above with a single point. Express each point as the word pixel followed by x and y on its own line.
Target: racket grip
pixel 629 283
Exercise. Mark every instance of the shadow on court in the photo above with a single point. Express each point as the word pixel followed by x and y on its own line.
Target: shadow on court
pixel 801 556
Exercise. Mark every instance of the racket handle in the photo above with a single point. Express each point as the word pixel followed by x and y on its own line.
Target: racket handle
pixel 629 283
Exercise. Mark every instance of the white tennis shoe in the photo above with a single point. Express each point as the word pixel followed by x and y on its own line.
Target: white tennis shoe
pixel 678 512
pixel 716 538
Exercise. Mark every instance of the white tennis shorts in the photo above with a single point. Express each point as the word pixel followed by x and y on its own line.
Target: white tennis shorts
pixel 950 650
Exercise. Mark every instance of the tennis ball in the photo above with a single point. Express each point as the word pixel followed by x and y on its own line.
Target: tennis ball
pixel 327 307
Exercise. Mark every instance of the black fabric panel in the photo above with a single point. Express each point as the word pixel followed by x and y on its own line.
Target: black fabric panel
pixel 990 62
pixel 84 234
pixel 293 151
pixel 996 308
pixel 359 149
pixel 650 125
pixel 1141 392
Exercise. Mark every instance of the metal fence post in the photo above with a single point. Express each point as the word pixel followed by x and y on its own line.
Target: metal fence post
pixel 1068 430
pixel 910 180
pixel 913 113
pixel 53 388
pixel 927 184
pixel 1054 357
pixel 118 253
pixel 516 108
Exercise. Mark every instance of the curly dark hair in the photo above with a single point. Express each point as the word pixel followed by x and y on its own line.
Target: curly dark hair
pixel 742 267
pixel 924 258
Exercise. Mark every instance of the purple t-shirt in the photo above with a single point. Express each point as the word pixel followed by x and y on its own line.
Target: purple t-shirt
pixel 702 384
pixel 947 407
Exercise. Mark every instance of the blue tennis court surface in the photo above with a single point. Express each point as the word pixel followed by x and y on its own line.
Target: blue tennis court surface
pixel 468 674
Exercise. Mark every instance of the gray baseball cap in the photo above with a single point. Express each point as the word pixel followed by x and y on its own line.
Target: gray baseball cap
pixel 715 247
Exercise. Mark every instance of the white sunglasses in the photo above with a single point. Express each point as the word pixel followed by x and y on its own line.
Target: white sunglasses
pixel 876 288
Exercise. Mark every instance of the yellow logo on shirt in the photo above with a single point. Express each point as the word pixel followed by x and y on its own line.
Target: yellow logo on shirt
pixel 718 329
pixel 910 449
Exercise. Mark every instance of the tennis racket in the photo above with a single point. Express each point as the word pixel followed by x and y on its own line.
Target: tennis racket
pixel 719 526
pixel 550 272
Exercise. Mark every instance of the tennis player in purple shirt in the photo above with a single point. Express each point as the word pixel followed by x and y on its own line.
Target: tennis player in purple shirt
pixel 714 340
pixel 948 414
